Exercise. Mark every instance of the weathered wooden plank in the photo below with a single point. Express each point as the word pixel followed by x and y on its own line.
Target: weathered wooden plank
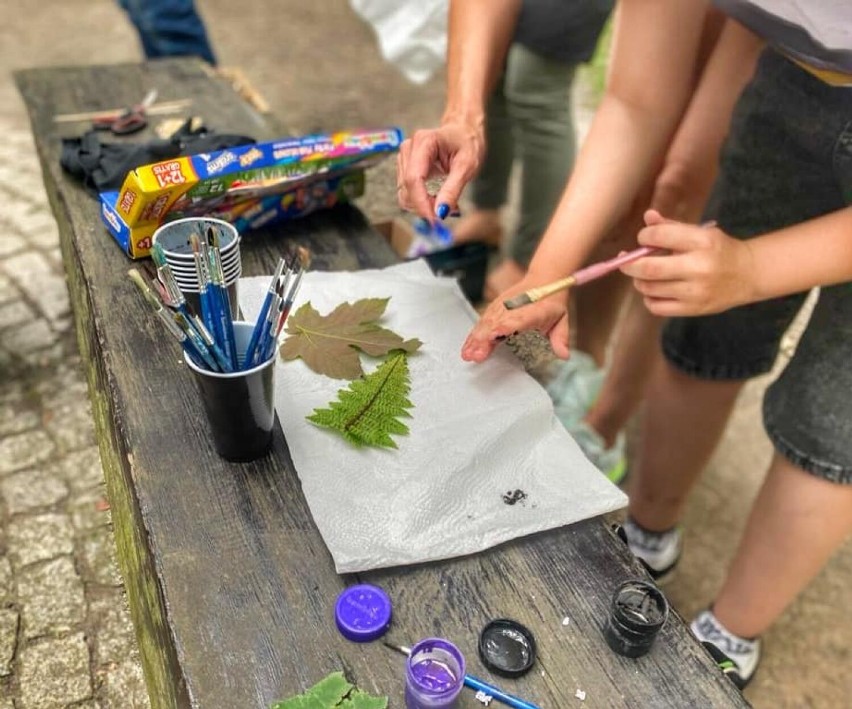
pixel 230 584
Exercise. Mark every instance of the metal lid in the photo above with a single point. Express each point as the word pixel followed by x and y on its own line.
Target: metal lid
pixel 507 648
pixel 363 613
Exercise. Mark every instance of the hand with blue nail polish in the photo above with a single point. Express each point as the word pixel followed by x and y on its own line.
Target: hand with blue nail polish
pixel 452 153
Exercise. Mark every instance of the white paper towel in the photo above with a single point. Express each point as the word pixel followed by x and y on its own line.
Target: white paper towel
pixel 477 432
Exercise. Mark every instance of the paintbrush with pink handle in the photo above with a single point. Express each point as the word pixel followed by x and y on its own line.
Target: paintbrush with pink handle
pixel 578 278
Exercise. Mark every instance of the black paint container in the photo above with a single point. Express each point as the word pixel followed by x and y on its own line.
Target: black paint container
pixel 239 405
pixel 637 612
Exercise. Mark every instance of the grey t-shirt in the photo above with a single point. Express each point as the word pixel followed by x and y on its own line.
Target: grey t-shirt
pixel 563 30
pixel 817 32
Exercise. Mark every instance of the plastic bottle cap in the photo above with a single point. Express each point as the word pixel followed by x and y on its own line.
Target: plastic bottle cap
pixel 363 613
pixel 507 648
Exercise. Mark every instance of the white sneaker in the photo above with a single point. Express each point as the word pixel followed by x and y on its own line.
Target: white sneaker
pixel 737 657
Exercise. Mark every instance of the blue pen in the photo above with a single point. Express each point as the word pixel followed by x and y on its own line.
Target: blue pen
pixel 479 685
pixel 262 316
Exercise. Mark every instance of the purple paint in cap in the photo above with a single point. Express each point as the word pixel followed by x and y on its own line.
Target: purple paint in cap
pixel 363 613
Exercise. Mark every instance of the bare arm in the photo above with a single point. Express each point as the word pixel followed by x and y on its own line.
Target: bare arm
pixel 480 32
pixel 684 184
pixel 652 69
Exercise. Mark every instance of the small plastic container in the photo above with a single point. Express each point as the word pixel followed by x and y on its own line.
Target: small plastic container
pixel 434 675
pixel 637 612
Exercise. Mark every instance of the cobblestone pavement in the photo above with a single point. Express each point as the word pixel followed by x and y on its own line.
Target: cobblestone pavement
pixel 65 633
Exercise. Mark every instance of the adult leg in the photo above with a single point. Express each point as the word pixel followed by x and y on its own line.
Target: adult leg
pixel 490 188
pixel 538 96
pixel 169 28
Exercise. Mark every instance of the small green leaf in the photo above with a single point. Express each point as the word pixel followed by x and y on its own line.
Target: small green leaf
pixel 333 692
pixel 366 413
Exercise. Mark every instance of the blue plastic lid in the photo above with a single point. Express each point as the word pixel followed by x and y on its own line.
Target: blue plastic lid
pixel 363 613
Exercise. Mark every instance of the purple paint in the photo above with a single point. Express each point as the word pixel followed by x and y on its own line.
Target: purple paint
pixel 434 675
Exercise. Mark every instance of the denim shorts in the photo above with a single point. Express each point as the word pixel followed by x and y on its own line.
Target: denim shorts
pixel 788 158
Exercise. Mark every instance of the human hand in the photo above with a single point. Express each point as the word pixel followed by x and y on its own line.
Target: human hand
pixel 705 270
pixel 548 316
pixel 455 151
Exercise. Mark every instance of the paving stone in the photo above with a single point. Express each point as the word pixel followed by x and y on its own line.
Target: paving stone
pixel 55 673
pixel 51 297
pixel 99 558
pixel 7 581
pixel 24 450
pixel 8 290
pixel 11 244
pixel 15 312
pixel 36 223
pixel 33 538
pixel 115 638
pixel 82 470
pixel 27 270
pixel 34 335
pixel 51 597
pixel 6 704
pixel 89 510
pixel 17 418
pixel 9 619
pixel 124 686
pixel 70 423
pixel 31 489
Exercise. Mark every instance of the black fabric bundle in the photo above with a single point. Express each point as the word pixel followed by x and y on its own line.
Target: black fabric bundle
pixel 103 166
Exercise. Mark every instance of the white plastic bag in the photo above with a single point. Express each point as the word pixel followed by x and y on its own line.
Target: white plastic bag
pixel 412 34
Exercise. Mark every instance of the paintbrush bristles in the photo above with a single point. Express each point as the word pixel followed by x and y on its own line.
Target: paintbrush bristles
pixel 152 299
pixel 535 294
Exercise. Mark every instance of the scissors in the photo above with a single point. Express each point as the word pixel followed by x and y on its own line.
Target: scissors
pixel 130 120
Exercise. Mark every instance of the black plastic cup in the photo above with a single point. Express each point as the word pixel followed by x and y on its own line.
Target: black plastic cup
pixel 239 405
pixel 637 612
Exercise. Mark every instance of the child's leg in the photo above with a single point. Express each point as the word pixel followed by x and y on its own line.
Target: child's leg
pixel 798 520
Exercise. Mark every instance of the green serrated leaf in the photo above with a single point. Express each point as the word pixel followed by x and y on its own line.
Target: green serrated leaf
pixel 333 692
pixel 361 700
pixel 329 344
pixel 368 412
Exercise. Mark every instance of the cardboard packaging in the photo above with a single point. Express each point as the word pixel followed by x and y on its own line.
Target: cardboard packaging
pixel 135 241
pixel 468 262
pixel 199 184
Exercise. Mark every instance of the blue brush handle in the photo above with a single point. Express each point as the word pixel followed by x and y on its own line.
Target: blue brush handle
pixel 257 332
pixel 227 323
pixel 499 695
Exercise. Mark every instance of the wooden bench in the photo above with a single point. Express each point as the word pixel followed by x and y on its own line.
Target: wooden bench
pixel 230 585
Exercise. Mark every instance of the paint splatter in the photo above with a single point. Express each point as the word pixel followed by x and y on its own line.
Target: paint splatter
pixel 514 496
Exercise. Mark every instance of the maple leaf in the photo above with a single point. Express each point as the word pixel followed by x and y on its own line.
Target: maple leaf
pixel 366 413
pixel 329 344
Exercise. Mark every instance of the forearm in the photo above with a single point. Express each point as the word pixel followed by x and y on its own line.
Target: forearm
pixel 480 32
pixel 691 165
pixel 817 252
pixel 649 84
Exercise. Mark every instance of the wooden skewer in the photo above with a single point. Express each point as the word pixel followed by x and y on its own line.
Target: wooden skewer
pixel 157 108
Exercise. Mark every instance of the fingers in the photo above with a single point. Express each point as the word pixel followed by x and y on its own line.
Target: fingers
pixel 674 236
pixel 414 164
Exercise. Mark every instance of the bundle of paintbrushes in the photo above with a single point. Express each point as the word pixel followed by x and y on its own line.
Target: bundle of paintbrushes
pixel 275 308
pixel 209 339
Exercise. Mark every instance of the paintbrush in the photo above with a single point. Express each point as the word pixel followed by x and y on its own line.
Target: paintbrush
pixel 578 278
pixel 176 325
pixel 207 309
pixel 262 317
pixel 477 684
pixel 220 294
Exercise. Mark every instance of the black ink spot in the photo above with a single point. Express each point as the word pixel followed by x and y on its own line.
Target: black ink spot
pixel 513 496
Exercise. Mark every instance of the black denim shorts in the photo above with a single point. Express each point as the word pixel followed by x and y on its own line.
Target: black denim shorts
pixel 788 158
